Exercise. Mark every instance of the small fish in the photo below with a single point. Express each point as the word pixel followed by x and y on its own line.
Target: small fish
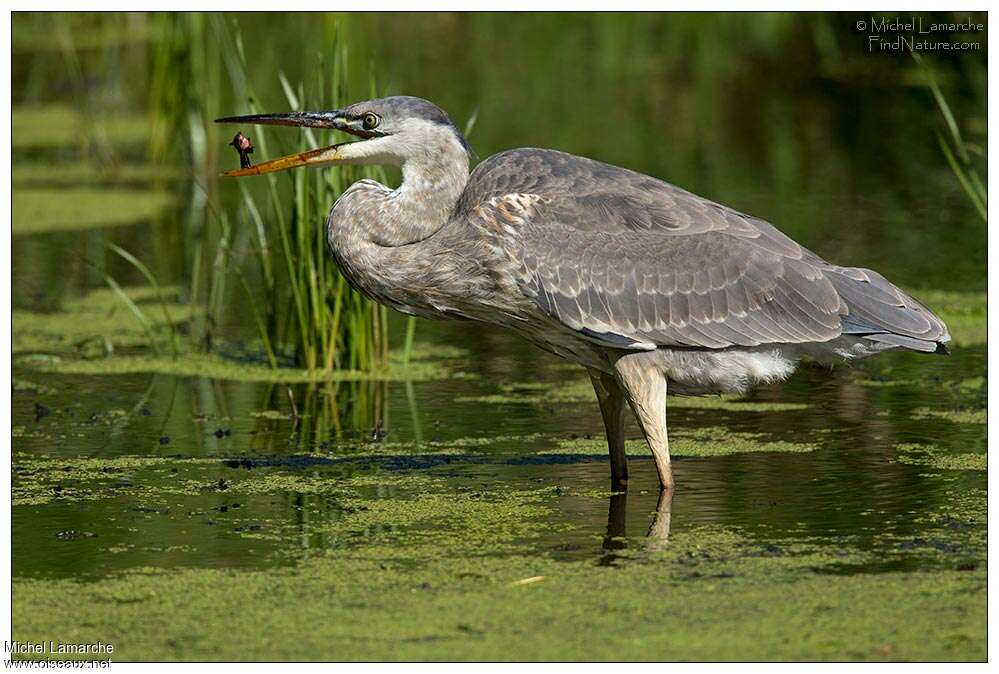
pixel 244 147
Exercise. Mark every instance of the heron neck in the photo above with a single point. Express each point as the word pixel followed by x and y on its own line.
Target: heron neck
pixel 425 201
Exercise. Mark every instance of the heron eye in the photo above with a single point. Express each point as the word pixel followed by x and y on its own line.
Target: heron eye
pixel 370 120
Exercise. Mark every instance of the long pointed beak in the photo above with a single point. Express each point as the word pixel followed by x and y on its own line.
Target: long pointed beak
pixel 330 119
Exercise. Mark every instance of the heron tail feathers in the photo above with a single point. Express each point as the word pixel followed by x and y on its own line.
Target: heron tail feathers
pixel 879 311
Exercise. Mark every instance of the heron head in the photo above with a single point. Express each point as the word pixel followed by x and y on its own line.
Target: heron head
pixel 390 130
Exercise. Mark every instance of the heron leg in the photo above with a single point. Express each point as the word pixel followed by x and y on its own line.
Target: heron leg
pixel 612 405
pixel 645 389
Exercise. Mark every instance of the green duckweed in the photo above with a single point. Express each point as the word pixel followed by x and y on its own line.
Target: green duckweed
pixel 38 479
pixel 962 416
pixel 214 366
pixel 926 455
pixel 576 391
pixel 89 173
pixel 55 126
pixel 43 210
pixel 711 441
pixel 963 312
pixel 98 323
pixel 705 596
pixel 419 567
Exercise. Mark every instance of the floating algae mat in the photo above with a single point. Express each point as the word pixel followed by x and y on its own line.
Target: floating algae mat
pixel 417 565
pixel 494 534
pixel 482 541
pixel 100 321
pixel 87 335
pixel 35 33
pixel 57 126
pixel 214 366
pixel 482 609
pixel 963 312
pixel 78 173
pixel 709 441
pixel 545 393
pixel 43 210
pixel 40 480
pixel 935 457
pixel 959 416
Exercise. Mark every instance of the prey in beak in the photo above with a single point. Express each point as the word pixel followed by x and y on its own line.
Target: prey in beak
pixel 244 147
pixel 360 126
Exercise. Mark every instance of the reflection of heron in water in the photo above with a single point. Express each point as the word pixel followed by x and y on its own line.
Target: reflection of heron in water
pixel 642 283
pixel 617 519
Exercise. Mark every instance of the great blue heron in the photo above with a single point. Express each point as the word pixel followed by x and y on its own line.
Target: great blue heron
pixel 647 286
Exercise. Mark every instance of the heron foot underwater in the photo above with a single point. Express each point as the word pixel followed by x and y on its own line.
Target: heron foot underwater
pixel 650 288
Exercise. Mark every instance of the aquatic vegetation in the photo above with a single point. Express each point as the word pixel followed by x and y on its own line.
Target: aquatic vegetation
pixel 22 432
pixel 481 608
pixel 35 333
pixel 580 390
pixel 973 384
pixel 44 210
pixel 481 522
pixel 86 31
pixel 219 367
pixel 425 566
pixel 927 455
pixel 733 404
pixel 964 506
pixel 88 334
pixel 958 416
pixel 970 391
pixel 270 414
pixel 303 301
pixel 963 312
pixel 964 158
pixel 80 173
pixel 703 442
pixel 55 126
pixel 447 447
pixel 537 393
pixel 39 479
pixel 97 324
pixel 25 386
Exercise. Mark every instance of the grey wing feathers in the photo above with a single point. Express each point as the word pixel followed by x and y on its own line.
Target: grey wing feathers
pixel 881 312
pixel 632 262
pixel 704 291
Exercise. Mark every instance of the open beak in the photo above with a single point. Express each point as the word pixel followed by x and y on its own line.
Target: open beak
pixel 331 119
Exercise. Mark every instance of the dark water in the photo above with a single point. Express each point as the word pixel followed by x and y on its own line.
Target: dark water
pixel 837 147
pixel 848 492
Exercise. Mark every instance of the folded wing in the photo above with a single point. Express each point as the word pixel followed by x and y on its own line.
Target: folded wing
pixel 632 262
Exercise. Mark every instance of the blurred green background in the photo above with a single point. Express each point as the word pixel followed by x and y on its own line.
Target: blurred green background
pixel 785 116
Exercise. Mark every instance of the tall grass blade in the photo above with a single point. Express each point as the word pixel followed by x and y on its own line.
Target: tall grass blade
pixel 147 325
pixel 145 271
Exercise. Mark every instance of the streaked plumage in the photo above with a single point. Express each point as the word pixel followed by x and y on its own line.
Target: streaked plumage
pixel 646 285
